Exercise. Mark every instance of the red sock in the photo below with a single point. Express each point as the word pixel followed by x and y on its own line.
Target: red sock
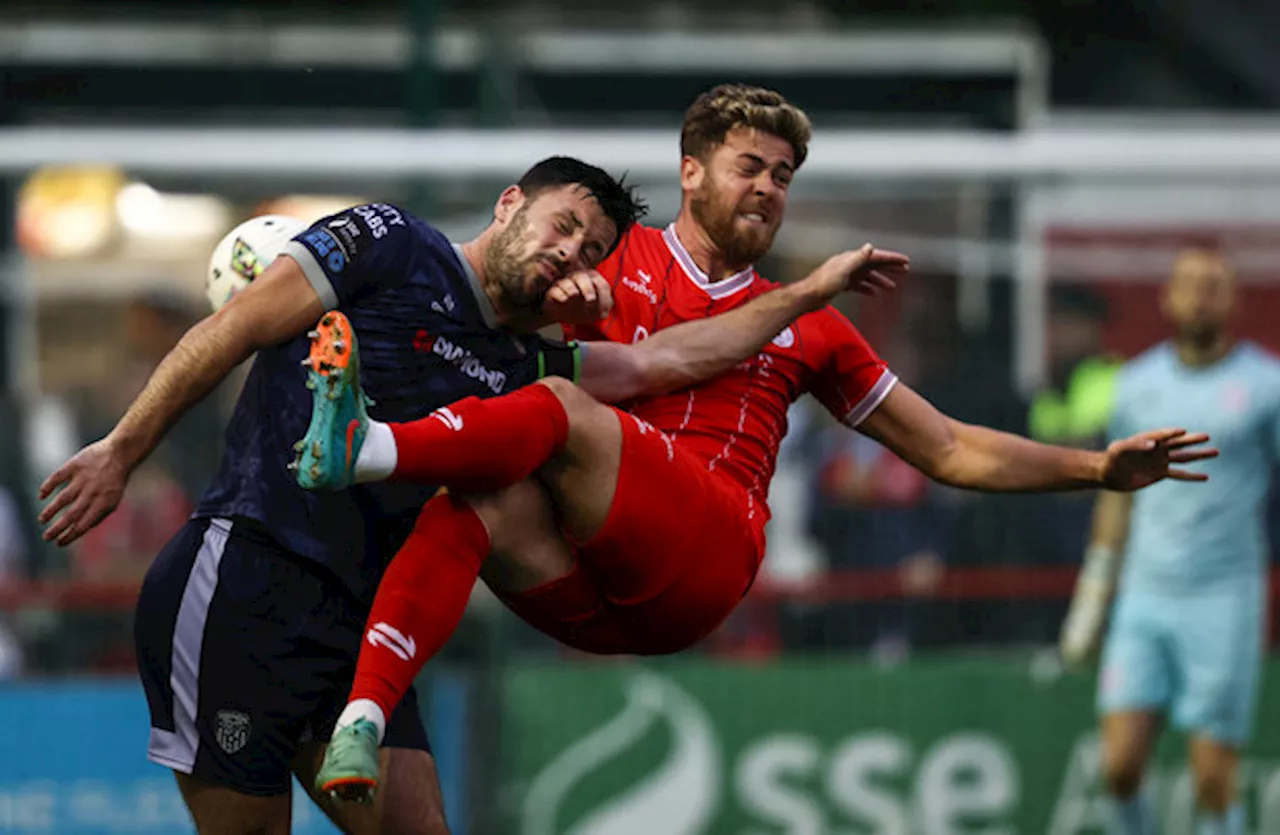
pixel 478 446
pixel 420 600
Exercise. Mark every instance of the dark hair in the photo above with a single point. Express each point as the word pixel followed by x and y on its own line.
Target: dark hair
pixel 721 109
pixel 616 198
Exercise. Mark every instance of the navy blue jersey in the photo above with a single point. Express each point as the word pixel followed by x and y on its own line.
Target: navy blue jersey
pixel 427 338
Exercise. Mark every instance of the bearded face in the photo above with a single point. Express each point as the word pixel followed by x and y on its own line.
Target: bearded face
pixel 518 273
pixel 548 236
pixel 742 229
pixel 738 194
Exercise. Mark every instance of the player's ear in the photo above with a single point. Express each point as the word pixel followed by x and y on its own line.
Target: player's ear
pixel 692 172
pixel 509 202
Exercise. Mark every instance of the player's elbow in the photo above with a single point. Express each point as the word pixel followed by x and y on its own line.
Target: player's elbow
pixel 948 471
pixel 947 459
pixel 234 330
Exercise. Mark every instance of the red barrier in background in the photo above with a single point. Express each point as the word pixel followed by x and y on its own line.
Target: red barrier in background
pixel 844 586
pixel 753 634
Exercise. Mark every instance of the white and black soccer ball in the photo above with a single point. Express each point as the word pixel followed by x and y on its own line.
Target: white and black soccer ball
pixel 245 252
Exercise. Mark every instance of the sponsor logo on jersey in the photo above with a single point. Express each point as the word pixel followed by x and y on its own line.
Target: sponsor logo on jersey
pixel 327 249
pixel 347 231
pixel 462 359
pixel 641 285
pixel 378 217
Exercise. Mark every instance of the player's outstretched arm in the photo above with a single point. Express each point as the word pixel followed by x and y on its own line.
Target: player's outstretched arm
pixel 276 307
pixel 691 352
pixel 979 458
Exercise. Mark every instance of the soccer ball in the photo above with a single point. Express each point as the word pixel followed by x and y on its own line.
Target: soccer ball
pixel 245 252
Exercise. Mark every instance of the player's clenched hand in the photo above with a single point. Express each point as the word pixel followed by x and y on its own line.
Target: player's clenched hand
pixel 580 298
pixel 866 270
pixel 85 490
pixel 1148 457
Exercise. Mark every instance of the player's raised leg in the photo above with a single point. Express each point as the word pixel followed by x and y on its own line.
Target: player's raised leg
pixel 643 583
pixel 577 446
pixel 419 603
pixel 473 446
pixel 421 599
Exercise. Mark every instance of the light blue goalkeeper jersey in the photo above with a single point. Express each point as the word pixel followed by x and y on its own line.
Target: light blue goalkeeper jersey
pixel 1188 536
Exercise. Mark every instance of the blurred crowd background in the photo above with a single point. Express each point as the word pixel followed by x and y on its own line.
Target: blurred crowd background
pixel 1029 289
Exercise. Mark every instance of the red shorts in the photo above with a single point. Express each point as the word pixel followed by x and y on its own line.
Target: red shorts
pixel 675 555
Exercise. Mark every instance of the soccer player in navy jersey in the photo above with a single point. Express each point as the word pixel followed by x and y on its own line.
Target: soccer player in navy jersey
pixel 249 621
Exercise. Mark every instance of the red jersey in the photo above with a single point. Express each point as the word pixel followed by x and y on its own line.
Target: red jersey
pixel 736 421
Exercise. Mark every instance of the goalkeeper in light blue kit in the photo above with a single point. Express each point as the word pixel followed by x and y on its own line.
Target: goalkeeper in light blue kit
pixel 1185 641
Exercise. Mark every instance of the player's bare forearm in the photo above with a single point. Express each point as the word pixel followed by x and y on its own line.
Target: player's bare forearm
pixel 275 308
pixel 691 352
pixel 989 460
pixel 1111 520
pixel 204 356
pixel 975 457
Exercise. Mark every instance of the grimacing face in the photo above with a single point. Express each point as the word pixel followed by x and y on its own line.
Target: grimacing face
pixel 739 194
pixel 543 238
pixel 1199 297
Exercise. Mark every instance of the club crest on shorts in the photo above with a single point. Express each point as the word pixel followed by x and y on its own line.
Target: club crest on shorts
pixel 231 730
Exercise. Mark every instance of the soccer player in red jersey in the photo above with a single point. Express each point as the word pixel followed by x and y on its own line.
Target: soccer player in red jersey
pixel 660 508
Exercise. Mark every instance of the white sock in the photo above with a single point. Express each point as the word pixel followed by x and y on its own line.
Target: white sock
pixel 362 709
pixel 377 458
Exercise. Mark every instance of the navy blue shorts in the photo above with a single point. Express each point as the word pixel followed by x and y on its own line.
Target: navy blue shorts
pixel 247 652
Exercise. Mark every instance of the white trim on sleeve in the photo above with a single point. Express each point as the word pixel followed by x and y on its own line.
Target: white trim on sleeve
pixel 872 400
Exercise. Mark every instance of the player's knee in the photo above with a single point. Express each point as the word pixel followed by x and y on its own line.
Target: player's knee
pixel 1122 773
pixel 508 509
pixel 513 514
pixel 577 403
pixel 565 390
pixel 593 427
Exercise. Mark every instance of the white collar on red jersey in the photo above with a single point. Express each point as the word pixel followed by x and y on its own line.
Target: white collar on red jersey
pixel 723 288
